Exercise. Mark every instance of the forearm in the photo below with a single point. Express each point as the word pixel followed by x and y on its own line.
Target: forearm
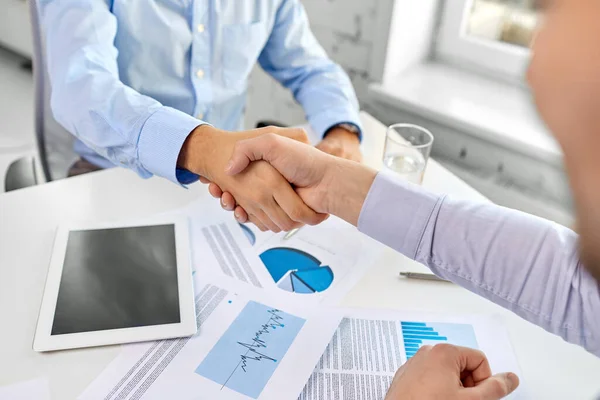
pixel 523 263
pixel 199 138
pixel 347 184
pixel 202 153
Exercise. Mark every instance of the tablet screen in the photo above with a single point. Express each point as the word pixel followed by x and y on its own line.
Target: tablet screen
pixel 118 278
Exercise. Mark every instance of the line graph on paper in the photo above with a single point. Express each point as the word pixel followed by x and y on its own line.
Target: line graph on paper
pixel 248 353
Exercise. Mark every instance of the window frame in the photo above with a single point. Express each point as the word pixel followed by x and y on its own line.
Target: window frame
pixel 455 46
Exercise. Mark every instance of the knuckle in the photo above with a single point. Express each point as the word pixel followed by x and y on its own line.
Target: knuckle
pixel 443 350
pixel 424 349
pixel 296 213
pixel 271 138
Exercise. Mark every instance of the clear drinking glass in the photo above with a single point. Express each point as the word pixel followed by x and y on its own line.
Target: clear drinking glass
pixel 406 151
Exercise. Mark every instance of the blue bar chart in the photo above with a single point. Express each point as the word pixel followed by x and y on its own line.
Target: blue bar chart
pixel 417 334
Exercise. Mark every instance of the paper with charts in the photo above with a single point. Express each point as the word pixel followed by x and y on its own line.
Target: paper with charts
pixel 249 346
pixel 369 346
pixel 319 263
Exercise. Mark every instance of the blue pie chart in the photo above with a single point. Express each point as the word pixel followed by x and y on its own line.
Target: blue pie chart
pixel 296 271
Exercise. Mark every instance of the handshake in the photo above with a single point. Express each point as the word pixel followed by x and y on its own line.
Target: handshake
pixel 273 178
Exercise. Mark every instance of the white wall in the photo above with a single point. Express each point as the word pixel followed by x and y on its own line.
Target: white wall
pixel 15 31
pixel 353 32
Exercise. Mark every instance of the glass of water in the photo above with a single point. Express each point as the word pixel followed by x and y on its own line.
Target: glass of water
pixel 406 151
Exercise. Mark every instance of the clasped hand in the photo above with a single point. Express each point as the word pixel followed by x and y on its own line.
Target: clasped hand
pixel 262 196
pixel 268 198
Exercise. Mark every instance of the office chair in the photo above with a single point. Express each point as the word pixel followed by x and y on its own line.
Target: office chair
pixel 54 144
pixel 265 123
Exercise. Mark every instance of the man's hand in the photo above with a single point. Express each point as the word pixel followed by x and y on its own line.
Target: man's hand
pixel 327 184
pixel 338 142
pixel 269 199
pixel 342 143
pixel 451 373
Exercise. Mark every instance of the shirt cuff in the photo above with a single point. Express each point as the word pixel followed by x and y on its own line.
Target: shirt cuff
pixel 326 120
pixel 396 212
pixel 161 140
pixel 345 125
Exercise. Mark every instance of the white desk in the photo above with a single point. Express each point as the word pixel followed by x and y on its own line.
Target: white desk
pixel 551 368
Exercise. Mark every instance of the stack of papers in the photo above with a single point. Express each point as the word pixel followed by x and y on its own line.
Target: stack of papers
pixel 269 328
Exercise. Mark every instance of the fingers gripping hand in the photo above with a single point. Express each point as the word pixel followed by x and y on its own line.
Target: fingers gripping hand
pixel 228 202
pixel 266 197
pixel 303 166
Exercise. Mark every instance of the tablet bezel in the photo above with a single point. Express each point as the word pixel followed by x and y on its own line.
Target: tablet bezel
pixel 45 341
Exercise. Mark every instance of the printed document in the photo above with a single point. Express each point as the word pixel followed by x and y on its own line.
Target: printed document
pixel 249 345
pixel 319 264
pixel 369 346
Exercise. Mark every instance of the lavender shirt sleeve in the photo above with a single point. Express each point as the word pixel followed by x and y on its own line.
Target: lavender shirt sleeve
pixel 523 263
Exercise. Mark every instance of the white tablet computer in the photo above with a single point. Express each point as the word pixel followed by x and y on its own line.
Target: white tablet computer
pixel 112 284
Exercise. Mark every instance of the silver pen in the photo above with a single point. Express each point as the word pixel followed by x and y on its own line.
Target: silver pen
pixel 291 233
pixel 425 277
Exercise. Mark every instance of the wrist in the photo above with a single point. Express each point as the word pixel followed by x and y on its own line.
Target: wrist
pixel 200 149
pixel 347 184
pixel 339 132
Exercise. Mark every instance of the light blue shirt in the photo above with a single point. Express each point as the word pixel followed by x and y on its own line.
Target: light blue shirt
pixel 131 79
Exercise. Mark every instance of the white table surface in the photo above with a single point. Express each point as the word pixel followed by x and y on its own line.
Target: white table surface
pixel 551 368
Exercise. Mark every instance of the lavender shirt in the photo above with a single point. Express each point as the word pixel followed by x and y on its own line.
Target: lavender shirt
pixel 523 263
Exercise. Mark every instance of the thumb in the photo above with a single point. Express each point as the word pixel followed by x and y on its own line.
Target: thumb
pixel 246 151
pixel 495 387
